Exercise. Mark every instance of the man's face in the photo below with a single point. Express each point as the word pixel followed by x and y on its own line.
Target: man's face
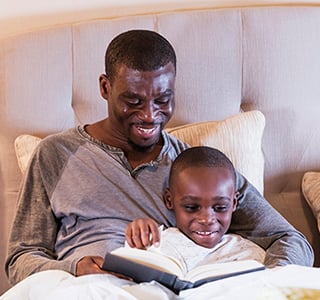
pixel 140 104
pixel 203 200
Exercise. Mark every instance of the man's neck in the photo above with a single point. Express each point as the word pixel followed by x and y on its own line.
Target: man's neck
pixel 136 158
pixel 135 155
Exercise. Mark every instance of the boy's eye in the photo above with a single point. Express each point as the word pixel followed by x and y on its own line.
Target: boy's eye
pixel 220 208
pixel 191 208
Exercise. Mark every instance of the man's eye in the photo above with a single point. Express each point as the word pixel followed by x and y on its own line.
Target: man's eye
pixel 162 100
pixel 133 101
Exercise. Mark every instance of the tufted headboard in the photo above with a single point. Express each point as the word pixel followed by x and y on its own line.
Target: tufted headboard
pixel 229 60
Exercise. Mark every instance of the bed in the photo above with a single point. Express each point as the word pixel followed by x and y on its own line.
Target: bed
pixel 254 73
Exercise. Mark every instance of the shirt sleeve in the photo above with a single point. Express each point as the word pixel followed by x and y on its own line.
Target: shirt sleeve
pixel 32 239
pixel 258 221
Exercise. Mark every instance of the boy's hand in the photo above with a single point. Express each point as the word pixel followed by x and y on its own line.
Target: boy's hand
pixel 142 233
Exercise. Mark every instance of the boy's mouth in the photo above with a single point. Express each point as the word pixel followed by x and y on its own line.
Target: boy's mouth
pixel 204 233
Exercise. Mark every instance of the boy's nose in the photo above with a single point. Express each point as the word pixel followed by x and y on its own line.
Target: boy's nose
pixel 207 217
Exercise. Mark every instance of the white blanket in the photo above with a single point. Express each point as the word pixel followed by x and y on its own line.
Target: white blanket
pixel 274 284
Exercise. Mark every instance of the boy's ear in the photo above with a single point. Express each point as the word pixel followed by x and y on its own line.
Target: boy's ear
pixel 235 200
pixel 168 199
pixel 104 85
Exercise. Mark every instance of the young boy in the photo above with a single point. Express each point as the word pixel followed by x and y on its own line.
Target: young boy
pixel 202 195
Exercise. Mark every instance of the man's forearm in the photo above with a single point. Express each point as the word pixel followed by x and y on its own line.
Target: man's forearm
pixel 258 221
pixel 292 248
pixel 30 263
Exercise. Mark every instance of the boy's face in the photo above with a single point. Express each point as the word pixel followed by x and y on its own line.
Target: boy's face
pixel 203 200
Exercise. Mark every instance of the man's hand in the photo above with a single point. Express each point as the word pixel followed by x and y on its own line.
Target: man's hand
pixel 92 265
pixel 142 233
pixel 89 265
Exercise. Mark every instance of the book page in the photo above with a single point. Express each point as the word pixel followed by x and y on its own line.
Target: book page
pixel 217 269
pixel 152 259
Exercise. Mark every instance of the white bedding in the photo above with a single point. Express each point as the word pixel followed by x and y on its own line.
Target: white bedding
pixel 270 284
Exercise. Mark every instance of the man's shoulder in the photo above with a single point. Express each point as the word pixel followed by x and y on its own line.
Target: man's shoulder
pixel 172 143
pixel 66 137
pixel 58 146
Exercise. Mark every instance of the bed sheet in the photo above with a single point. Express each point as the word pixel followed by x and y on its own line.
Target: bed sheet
pixel 288 282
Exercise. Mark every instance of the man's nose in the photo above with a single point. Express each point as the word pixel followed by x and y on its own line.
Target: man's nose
pixel 148 113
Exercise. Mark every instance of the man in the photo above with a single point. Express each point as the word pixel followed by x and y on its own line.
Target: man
pixel 83 186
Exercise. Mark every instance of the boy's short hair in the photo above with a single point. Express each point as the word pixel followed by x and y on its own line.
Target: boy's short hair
pixel 201 156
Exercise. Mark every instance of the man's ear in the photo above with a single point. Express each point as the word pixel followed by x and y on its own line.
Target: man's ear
pixel 105 86
pixel 235 200
pixel 168 199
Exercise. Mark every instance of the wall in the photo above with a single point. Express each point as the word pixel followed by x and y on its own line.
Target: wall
pixel 18 16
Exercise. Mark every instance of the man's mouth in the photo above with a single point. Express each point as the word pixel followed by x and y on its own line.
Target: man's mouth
pixel 147 130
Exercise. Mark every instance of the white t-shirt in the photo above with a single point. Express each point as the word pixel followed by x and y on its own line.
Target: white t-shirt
pixel 231 247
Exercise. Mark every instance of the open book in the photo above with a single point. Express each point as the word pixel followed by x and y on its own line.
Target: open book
pixel 144 266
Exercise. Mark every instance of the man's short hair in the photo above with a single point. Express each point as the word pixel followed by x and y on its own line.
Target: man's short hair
pixel 141 50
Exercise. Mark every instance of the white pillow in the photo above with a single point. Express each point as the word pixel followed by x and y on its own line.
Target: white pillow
pixel 24 146
pixel 311 190
pixel 239 137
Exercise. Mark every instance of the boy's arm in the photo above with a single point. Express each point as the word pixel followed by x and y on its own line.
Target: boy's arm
pixel 142 233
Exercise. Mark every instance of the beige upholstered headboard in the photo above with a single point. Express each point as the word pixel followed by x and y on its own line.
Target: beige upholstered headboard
pixel 229 60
